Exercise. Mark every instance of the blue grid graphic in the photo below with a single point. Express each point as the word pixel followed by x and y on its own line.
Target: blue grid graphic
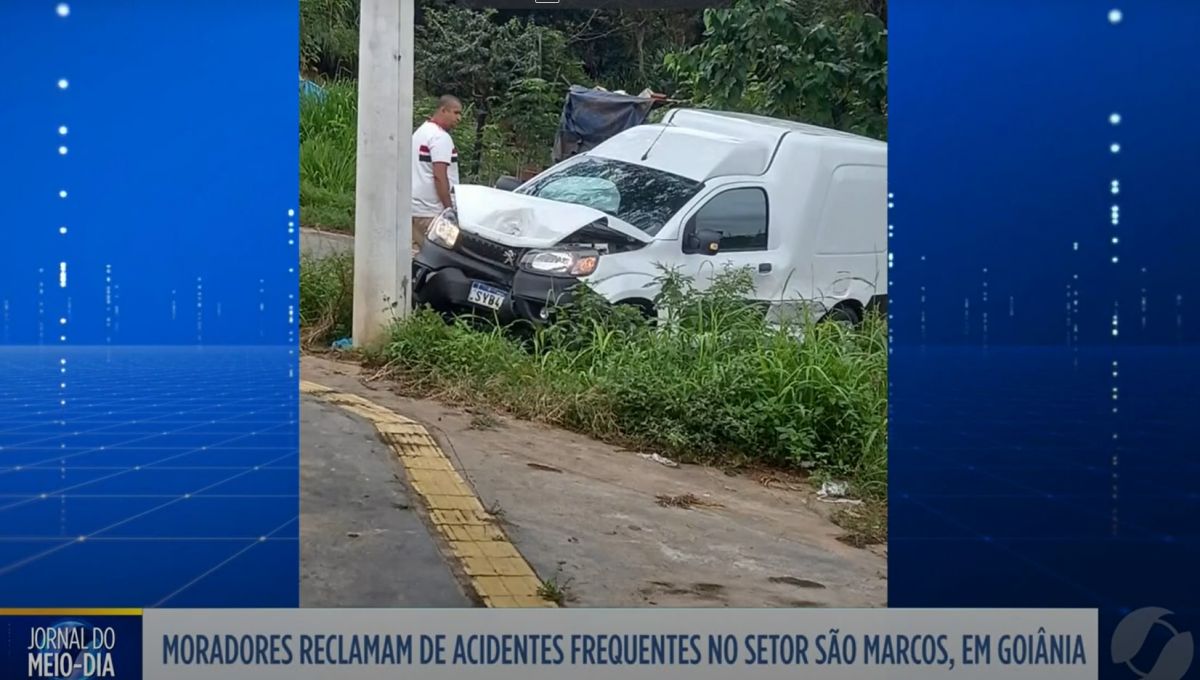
pixel 1045 356
pixel 148 432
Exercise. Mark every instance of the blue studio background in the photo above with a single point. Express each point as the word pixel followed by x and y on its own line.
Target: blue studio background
pixel 148 434
pixel 1045 372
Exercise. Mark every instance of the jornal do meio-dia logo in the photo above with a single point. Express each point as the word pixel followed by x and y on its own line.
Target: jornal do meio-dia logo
pixel 71 650
pixel 1132 645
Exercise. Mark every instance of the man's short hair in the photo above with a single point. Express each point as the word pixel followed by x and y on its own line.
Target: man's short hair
pixel 447 100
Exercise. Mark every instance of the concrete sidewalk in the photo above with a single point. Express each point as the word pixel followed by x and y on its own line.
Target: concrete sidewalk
pixel 363 540
pixel 588 517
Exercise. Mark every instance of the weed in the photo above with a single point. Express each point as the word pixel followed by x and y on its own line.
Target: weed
pixel 865 525
pixel 484 421
pixel 326 298
pixel 553 591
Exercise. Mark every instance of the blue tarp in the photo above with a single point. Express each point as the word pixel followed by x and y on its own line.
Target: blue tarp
pixel 592 116
pixel 309 88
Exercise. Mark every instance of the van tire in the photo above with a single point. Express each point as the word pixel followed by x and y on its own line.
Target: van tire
pixel 844 314
pixel 644 306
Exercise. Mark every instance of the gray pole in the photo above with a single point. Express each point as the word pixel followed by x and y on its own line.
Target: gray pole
pixel 383 212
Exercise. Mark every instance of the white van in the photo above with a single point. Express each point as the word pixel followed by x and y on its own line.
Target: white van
pixel 805 208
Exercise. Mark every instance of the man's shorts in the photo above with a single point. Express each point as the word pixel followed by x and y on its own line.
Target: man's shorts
pixel 419 226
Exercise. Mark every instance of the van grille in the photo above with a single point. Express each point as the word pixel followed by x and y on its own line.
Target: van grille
pixel 490 251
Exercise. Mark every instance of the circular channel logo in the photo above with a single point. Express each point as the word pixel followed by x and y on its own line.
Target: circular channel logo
pixel 1130 638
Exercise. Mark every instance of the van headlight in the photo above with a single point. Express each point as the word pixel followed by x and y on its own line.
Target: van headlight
pixel 443 230
pixel 563 262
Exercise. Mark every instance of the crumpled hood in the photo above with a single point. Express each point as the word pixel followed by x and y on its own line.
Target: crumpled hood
pixel 527 221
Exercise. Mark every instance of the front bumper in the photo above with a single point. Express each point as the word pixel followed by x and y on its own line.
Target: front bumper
pixel 443 279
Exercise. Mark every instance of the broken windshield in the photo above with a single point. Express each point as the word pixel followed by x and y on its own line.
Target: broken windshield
pixel 641 196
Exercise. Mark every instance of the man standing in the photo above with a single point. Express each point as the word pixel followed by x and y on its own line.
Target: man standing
pixel 434 166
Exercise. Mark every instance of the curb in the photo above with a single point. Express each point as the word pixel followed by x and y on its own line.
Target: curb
pixel 496 570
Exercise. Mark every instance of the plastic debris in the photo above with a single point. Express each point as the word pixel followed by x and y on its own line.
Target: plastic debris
pixel 835 492
pixel 659 459
pixel 344 343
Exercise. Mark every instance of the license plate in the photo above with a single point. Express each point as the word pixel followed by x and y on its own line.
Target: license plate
pixel 486 296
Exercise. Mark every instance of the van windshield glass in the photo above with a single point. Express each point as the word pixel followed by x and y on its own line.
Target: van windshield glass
pixel 641 196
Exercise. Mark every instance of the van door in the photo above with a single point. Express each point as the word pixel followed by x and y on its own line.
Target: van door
pixel 740 215
pixel 850 249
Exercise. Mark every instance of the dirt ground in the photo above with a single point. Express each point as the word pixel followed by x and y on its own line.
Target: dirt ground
pixel 613 529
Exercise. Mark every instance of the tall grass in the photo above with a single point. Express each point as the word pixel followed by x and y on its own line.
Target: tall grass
pixel 326 298
pixel 710 380
pixel 328 153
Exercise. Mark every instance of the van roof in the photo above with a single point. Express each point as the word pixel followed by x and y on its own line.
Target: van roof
pixel 701 144
pixel 753 125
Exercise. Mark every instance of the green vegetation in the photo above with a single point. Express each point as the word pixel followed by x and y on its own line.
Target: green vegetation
pixel 816 61
pixel 326 299
pixel 711 381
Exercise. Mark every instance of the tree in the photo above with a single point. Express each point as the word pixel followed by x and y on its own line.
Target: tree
pixel 791 60
pixel 329 36
pixel 469 54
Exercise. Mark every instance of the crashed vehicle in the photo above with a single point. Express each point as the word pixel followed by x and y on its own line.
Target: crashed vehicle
pixel 805 208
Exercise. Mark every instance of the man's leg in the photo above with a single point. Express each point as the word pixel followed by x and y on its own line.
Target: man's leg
pixel 419 226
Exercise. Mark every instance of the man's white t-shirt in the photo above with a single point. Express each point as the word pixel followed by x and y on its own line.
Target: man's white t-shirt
pixel 431 144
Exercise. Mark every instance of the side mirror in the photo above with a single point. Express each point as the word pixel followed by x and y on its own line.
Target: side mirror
pixel 507 183
pixel 704 242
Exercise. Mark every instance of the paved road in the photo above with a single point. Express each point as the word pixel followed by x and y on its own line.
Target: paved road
pixel 362 542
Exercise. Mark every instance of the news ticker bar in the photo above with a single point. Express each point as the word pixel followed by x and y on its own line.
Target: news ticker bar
pixel 533 644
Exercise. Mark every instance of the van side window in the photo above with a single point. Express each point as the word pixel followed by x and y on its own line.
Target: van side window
pixel 740 215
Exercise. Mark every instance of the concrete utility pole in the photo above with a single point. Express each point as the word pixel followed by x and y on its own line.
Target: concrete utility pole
pixel 383 200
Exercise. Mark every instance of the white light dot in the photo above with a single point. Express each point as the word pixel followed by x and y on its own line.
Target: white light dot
pixel 291 213
pixel 1116 240
pixel 1075 245
pixel 1115 16
pixel 63 84
pixel 1115 119
pixel 62 230
pixel 63 9
pixel 62 320
pixel 62 129
pixel 62 193
pixel 1115 148
pixel 1115 259
pixel 62 151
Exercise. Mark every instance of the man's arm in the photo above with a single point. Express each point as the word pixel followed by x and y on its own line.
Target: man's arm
pixel 441 182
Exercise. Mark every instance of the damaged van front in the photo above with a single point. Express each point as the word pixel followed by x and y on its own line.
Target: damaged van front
pixel 515 255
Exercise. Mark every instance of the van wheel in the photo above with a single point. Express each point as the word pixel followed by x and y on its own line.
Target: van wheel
pixel 644 307
pixel 845 315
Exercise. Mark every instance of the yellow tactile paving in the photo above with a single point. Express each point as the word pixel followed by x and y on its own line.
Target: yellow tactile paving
pixel 496 570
